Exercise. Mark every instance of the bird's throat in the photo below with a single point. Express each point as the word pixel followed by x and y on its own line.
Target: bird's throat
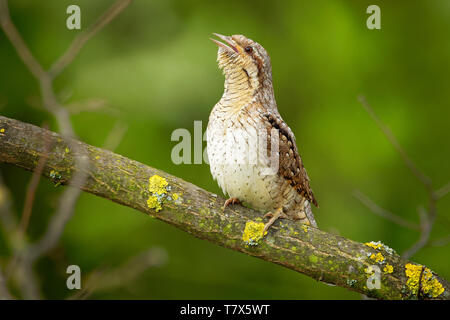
pixel 239 88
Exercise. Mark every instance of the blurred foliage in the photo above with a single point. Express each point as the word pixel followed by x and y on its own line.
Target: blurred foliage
pixel 155 65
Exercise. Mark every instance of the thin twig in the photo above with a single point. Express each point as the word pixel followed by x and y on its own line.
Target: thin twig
pixel 426 225
pixel 75 47
pixel 19 232
pixel 91 105
pixel 442 192
pixel 426 181
pixel 4 292
pixel 108 279
pixel 58 222
pixel 443 241
pixel 28 281
pixel 32 187
pixel 374 208
pixel 8 219
pixel 427 219
pixel 16 39
pixel 115 136
pixel 67 202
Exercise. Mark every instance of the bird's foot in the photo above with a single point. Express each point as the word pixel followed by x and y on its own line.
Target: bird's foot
pixel 230 201
pixel 279 214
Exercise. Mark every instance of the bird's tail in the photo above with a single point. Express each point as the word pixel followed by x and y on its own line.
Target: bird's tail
pixel 305 214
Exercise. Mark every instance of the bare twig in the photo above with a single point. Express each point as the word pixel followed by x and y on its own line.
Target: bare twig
pixel 25 273
pixel 46 78
pixel 443 241
pixel 67 202
pixel 116 135
pixel 92 105
pixel 116 8
pixel 383 212
pixel 27 280
pixel 427 218
pixel 7 218
pixel 426 181
pixel 18 233
pixel 58 222
pixel 4 292
pixel 125 273
pixel 18 43
pixel 442 192
pixel 10 225
pixel 32 187
pixel 426 225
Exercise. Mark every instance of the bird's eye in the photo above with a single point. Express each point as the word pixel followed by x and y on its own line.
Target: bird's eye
pixel 248 49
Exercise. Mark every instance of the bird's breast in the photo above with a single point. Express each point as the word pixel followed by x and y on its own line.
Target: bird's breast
pixel 236 160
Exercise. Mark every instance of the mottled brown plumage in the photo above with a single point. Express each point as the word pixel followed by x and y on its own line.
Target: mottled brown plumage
pixel 252 152
pixel 291 166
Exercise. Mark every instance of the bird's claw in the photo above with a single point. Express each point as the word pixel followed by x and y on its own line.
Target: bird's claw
pixel 279 214
pixel 230 201
pixel 268 215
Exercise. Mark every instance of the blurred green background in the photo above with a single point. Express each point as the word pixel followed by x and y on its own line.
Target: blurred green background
pixel 155 67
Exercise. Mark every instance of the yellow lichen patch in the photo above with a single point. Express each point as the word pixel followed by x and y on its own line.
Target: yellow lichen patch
pixel 253 233
pixel 377 257
pixel 2 130
pixel 305 228
pixel 67 150
pixel 153 203
pixel 429 284
pixel 97 157
pixel 158 187
pixel 157 184
pixel 175 196
pixel 388 269
pixel 373 245
pixel 379 246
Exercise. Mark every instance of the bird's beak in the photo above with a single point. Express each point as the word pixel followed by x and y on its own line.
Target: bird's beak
pixel 229 46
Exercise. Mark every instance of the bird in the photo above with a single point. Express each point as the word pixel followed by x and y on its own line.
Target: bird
pixel 251 151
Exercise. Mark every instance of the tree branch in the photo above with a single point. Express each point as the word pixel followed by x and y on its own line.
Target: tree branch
pixel 326 257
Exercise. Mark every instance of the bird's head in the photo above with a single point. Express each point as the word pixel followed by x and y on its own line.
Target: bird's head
pixel 243 61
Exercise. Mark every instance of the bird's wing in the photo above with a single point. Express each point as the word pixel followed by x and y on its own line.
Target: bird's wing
pixel 290 163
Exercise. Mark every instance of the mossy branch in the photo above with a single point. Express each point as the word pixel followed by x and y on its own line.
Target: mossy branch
pixel 323 256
